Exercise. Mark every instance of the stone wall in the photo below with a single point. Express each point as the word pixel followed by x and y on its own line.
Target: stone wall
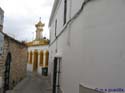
pixel 1 65
pixel 19 59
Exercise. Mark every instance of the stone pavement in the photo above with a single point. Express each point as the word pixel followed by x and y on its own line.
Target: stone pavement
pixel 33 83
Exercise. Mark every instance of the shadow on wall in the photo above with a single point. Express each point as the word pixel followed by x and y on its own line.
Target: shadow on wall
pixel 83 89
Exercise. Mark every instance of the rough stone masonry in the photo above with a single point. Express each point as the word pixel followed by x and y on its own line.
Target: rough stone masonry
pixel 18 62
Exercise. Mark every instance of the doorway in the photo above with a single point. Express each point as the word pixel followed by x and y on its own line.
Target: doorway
pixel 35 64
pixel 56 75
pixel 7 72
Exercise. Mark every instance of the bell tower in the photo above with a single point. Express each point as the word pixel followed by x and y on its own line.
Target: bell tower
pixel 39 29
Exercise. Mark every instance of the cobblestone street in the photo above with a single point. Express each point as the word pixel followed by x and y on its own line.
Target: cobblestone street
pixel 33 83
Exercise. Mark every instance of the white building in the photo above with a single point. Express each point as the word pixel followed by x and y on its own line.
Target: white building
pixel 38 51
pixel 89 37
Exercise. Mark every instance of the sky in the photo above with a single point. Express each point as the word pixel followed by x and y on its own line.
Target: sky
pixel 20 17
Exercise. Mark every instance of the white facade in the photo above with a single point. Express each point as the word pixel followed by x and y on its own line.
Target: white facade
pixel 38 48
pixel 92 46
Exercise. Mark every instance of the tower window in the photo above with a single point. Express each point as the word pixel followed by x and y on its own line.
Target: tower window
pixel 65 11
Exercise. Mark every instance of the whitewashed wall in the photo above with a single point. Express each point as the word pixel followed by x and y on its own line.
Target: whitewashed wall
pixel 94 49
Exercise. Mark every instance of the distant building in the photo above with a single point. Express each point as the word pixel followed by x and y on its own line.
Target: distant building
pixel 87 45
pixel 1 28
pixel 38 53
pixel 1 19
pixel 13 58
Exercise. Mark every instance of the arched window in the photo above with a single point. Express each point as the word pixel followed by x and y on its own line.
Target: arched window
pixel 41 58
pixel 47 58
pixel 30 57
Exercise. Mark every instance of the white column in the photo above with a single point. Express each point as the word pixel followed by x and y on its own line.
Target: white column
pixel 44 56
pixel 28 57
pixel 39 68
pixel 38 58
pixel 32 60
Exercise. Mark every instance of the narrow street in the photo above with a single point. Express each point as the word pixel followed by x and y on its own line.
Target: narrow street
pixel 33 83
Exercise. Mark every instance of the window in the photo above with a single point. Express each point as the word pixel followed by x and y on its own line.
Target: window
pixel 65 11
pixel 56 28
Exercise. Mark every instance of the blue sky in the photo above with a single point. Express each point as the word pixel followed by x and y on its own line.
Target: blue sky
pixel 21 16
